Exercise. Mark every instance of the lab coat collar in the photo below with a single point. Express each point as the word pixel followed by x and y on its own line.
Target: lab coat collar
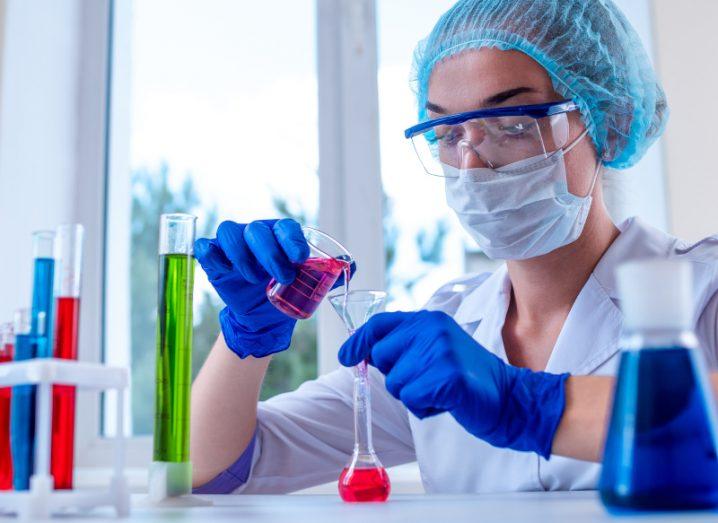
pixel 478 301
pixel 590 335
pixel 495 289
pixel 637 240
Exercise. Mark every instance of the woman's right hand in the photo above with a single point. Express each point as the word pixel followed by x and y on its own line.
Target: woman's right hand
pixel 239 263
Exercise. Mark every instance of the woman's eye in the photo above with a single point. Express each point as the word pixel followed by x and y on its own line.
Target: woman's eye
pixel 513 130
pixel 516 130
pixel 449 138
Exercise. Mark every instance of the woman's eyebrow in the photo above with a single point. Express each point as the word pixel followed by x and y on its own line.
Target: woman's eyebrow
pixel 435 108
pixel 506 95
pixel 491 101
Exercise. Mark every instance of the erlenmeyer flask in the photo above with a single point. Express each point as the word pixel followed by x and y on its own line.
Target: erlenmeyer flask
pixel 364 478
pixel 660 450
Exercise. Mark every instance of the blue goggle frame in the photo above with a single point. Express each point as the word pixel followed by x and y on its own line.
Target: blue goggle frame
pixel 534 111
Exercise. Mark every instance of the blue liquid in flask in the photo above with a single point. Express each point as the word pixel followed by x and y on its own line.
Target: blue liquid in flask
pixel 660 450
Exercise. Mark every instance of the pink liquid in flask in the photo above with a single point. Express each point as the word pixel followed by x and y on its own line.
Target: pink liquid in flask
pixel 364 484
pixel 315 278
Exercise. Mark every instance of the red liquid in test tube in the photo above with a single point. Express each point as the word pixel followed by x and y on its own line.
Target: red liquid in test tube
pixel 6 352
pixel 63 396
pixel 68 256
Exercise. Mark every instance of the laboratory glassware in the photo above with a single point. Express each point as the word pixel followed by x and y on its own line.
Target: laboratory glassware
pixel 328 259
pixel 22 405
pixel 42 291
pixel 660 452
pixel 364 478
pixel 68 272
pixel 7 342
pixel 174 352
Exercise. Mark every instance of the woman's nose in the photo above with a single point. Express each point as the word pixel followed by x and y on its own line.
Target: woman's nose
pixel 470 157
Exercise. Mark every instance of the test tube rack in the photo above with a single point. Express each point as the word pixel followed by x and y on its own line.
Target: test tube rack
pixel 41 500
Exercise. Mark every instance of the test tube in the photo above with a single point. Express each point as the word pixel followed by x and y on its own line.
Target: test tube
pixel 42 291
pixel 7 341
pixel 174 351
pixel 22 406
pixel 68 271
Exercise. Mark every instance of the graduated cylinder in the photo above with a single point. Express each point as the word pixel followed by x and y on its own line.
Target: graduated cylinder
pixel 68 274
pixel 174 346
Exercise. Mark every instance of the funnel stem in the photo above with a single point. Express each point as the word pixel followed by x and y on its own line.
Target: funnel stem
pixel 362 410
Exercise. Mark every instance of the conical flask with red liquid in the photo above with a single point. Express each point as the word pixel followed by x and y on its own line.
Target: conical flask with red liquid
pixel 364 478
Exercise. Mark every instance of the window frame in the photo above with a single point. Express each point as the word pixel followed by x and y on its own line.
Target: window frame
pixel 349 168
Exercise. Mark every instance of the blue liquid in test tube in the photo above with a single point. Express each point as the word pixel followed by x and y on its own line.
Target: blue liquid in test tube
pixel 42 292
pixel 32 341
pixel 22 408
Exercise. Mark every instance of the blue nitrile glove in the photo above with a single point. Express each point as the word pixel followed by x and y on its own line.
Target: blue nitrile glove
pixel 239 264
pixel 432 365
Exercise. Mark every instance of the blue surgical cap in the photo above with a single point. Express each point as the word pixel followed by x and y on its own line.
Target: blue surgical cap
pixel 591 52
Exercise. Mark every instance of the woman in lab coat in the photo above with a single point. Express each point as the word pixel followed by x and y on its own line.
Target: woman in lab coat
pixel 522 105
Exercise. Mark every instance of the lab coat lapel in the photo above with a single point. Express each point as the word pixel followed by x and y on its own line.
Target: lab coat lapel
pixel 589 336
pixel 591 333
pixel 483 312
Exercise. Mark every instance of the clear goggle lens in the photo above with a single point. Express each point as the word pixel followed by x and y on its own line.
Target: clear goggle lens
pixel 490 142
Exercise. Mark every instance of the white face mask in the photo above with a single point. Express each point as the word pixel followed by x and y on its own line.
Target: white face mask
pixel 519 211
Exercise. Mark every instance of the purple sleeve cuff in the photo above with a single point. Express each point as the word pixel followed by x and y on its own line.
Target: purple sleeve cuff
pixel 234 477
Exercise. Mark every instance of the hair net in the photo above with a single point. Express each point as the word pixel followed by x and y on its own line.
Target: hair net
pixel 591 52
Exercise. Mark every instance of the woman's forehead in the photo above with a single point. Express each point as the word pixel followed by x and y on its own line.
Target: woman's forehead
pixel 488 77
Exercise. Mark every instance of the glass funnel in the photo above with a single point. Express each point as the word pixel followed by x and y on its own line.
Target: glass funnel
pixel 364 478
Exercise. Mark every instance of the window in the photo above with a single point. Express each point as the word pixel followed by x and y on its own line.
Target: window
pixel 226 109
pixel 426 246
pixel 222 123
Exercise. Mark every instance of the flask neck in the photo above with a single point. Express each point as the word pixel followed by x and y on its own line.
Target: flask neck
pixel 638 339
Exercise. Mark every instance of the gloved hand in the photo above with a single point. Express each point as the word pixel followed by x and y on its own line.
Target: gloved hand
pixel 239 264
pixel 432 365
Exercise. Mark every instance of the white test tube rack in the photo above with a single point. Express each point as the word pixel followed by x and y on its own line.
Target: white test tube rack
pixel 41 500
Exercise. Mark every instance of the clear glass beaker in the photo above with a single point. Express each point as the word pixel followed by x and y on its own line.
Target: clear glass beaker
pixel 328 259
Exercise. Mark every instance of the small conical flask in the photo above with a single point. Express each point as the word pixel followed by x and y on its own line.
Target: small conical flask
pixel 364 478
pixel 660 451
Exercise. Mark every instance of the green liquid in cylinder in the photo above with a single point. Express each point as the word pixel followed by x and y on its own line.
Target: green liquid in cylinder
pixel 174 358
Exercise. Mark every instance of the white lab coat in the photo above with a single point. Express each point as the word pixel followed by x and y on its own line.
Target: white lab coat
pixel 304 437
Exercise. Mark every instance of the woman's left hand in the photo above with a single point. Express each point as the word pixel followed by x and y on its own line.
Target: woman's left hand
pixel 432 366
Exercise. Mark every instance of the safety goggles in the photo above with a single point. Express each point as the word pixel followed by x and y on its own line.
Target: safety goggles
pixel 491 138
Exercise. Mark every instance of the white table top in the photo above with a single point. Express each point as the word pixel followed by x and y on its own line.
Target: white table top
pixel 554 507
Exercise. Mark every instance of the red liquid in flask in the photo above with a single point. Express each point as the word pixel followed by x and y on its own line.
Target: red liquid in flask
pixel 315 278
pixel 63 396
pixel 5 455
pixel 364 484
